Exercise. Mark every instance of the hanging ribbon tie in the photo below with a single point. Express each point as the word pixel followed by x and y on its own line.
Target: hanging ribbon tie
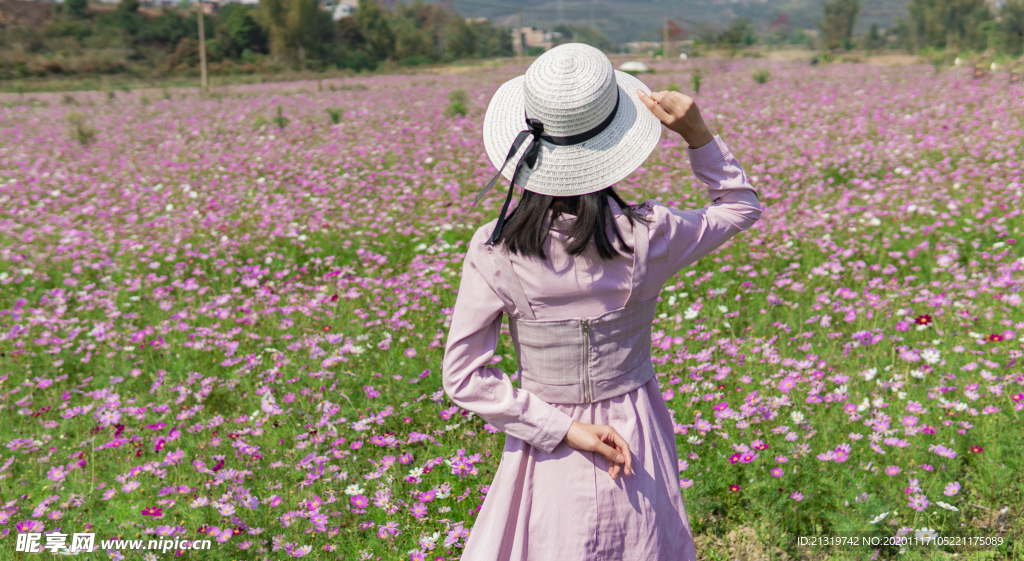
pixel 535 132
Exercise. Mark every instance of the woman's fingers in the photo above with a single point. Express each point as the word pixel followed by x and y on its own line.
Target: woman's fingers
pixel 652 104
pixel 664 100
pixel 623 448
pixel 616 450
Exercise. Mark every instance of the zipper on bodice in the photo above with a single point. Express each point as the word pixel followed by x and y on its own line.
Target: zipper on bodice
pixel 586 362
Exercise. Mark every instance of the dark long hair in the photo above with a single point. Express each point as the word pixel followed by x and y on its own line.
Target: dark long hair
pixel 524 231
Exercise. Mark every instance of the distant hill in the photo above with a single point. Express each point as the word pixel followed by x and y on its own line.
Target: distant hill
pixel 641 19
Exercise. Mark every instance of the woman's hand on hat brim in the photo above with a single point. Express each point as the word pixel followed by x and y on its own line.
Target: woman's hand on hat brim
pixel 679 113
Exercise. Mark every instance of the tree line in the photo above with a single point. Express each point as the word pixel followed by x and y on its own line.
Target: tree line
pixel 275 35
pixel 930 25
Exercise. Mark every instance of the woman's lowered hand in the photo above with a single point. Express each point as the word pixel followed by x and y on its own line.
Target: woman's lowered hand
pixel 605 441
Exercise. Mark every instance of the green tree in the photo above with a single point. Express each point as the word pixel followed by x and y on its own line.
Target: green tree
pixel 933 23
pixel 1011 28
pixel 374 24
pixel 239 30
pixel 290 26
pixel 76 8
pixel 840 17
pixel 739 32
pixel 127 17
pixel 413 41
pixel 476 40
pixel 583 34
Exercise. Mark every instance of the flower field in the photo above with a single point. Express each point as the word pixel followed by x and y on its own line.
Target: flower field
pixel 222 317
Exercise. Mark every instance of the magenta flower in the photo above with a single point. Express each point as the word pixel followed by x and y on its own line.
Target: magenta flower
pixel 787 384
pixel 29 526
pixel 360 501
pixel 57 473
pixel 952 489
pixel 389 529
pixel 892 470
pixel 778 472
pixel 410 352
pixel 153 511
pixel 418 510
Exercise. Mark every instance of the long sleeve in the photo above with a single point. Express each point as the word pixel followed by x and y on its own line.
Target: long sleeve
pixel 472 340
pixel 684 236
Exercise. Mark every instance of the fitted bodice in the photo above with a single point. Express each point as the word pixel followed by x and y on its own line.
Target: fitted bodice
pixel 582 360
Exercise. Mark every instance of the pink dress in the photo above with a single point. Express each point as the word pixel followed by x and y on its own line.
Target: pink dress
pixel 549 501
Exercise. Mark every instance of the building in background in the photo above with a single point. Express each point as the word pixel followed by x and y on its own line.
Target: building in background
pixel 340 8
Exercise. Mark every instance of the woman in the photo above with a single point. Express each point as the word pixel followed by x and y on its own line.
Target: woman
pixel 580 312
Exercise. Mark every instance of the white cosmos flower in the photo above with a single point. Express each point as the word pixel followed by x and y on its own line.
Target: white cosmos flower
pixel 878 518
pixel 723 309
pixel 353 489
pixel 690 313
pixel 931 356
pixel 925 534
pixel 917 374
pixel 797 417
pixel 947 506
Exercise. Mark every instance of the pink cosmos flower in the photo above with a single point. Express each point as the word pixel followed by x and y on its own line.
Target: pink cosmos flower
pixel 797 496
pixel 389 529
pixel 952 489
pixel 57 473
pixel 919 502
pixel 892 470
pixel 418 510
pixel 787 384
pixel 778 472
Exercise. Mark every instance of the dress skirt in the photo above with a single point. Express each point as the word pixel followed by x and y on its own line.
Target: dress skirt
pixel 564 506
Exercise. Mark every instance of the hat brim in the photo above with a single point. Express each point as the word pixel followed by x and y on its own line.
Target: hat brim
pixel 582 168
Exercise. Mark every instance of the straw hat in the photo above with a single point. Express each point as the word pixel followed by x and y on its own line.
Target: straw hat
pixel 571 125
pixel 572 92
